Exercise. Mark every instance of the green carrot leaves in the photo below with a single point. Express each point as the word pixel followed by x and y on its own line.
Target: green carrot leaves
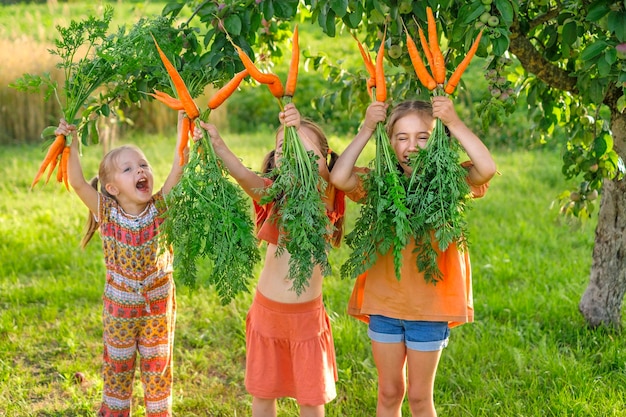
pixel 383 224
pixel 297 194
pixel 208 217
pixel 437 195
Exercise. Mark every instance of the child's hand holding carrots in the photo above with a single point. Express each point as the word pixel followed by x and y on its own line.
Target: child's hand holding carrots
pixel 290 116
pixel 65 129
pixel 376 112
pixel 443 109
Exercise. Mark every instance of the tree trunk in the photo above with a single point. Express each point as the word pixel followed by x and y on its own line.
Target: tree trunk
pixel 601 303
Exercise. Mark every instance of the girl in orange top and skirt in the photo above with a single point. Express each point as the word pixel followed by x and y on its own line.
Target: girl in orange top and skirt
pixel 289 343
pixel 409 318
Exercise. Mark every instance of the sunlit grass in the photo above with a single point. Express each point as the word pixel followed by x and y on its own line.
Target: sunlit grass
pixel 528 353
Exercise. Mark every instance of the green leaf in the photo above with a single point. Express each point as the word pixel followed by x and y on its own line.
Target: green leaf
pixel 340 7
pixel 172 8
pixel 326 20
pixel 597 11
pixel 48 132
pixel 506 11
pixel 471 12
pixel 604 67
pixel 285 9
pixel 596 91
pixel 617 23
pixel 232 24
pixel 570 32
pixel 602 144
pixel 500 45
pixel 353 19
pixel 593 50
pixel 268 9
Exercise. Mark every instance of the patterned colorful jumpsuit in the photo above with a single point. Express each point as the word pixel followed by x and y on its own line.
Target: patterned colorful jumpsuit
pixel 139 309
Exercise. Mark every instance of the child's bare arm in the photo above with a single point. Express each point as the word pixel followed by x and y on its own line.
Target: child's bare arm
pixel 342 175
pixel 247 179
pixel 484 167
pixel 84 190
pixel 177 169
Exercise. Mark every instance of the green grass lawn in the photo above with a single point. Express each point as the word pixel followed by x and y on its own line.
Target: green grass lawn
pixel 528 353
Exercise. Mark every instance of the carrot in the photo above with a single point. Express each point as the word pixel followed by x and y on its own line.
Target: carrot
pixel 381 83
pixel 369 65
pixel 227 90
pixel 420 70
pixel 367 59
pixel 292 76
pixel 184 139
pixel 65 157
pixel 371 83
pixel 439 63
pixel 276 88
pixel 53 152
pixel 255 73
pixel 181 89
pixel 169 101
pixel 53 165
pixel 426 48
pixel 60 168
pixel 456 75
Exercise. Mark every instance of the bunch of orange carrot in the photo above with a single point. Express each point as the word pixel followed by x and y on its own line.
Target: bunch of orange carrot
pixel 435 58
pixel 205 196
pixel 57 156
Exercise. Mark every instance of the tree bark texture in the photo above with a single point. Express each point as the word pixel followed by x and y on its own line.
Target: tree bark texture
pixel 601 303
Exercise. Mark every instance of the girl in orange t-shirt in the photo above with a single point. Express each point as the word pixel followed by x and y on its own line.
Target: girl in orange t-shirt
pixel 289 344
pixel 409 319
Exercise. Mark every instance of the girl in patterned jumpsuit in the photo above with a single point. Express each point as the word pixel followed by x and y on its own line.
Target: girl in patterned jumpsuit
pixel 139 293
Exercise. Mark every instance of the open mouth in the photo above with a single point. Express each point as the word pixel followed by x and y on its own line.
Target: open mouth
pixel 142 184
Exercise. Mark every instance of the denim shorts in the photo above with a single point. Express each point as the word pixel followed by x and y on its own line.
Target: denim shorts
pixel 425 336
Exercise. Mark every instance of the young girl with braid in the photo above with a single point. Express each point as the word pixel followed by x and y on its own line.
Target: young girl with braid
pixel 139 295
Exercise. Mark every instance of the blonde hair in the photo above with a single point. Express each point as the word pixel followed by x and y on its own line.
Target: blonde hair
pixel 330 157
pixel 99 183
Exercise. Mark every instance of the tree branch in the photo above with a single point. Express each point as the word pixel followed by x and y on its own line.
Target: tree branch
pixel 533 62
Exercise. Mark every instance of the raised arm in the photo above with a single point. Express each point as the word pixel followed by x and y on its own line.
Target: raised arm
pixel 342 175
pixel 177 169
pixel 84 190
pixel 247 179
pixel 484 167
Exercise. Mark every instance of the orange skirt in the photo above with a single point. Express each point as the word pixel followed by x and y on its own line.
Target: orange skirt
pixel 290 351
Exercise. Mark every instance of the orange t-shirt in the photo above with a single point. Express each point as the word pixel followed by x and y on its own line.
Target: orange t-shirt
pixel 379 292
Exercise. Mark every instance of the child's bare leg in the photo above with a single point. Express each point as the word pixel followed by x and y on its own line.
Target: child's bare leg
pixel 312 410
pixel 390 359
pixel 263 407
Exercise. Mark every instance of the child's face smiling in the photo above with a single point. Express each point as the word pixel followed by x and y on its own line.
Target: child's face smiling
pixel 410 134
pixel 132 180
